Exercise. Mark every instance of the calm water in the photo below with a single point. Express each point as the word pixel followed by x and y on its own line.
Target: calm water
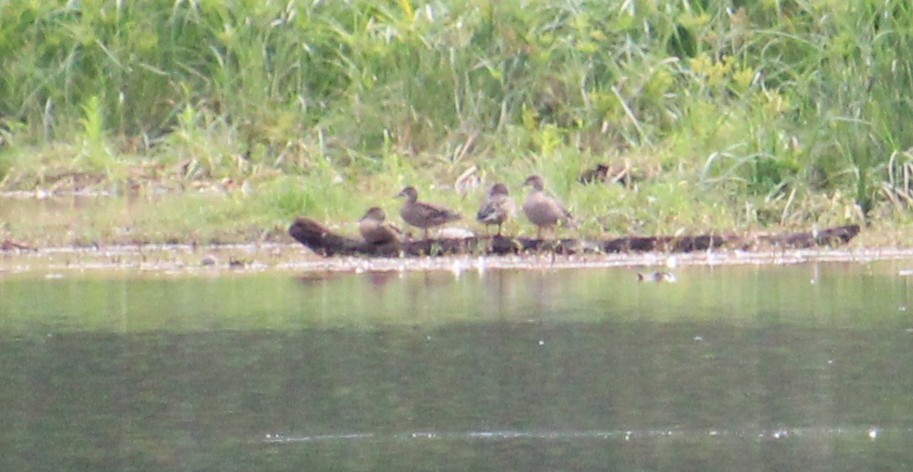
pixel 740 368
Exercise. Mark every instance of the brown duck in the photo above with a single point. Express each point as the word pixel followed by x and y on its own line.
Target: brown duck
pixel 597 174
pixel 423 215
pixel 376 230
pixel 497 208
pixel 542 210
pixel 602 173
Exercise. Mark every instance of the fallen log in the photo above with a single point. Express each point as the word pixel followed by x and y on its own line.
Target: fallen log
pixel 8 245
pixel 326 242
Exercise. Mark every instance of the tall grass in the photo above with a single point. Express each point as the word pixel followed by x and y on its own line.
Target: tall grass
pixel 758 113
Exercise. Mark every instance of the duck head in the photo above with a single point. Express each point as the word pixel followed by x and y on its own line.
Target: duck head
pixel 498 189
pixel 409 193
pixel 535 182
pixel 375 214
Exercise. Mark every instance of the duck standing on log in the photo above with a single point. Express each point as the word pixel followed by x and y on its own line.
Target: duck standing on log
pixel 543 210
pixel 376 230
pixel 423 215
pixel 497 208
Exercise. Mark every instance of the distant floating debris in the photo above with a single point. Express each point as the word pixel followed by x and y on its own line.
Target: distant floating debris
pixel 873 433
pixel 779 434
pixel 668 277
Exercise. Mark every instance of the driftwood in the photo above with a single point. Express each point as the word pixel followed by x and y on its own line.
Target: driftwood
pixel 325 242
pixel 7 245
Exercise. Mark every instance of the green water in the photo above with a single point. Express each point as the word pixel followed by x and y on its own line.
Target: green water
pixel 805 367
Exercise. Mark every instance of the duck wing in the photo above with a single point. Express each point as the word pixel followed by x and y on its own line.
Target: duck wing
pixel 566 217
pixel 375 232
pixel 436 212
pixel 495 210
pixel 426 215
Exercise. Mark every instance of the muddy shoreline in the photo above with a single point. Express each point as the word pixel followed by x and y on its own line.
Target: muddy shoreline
pixel 190 260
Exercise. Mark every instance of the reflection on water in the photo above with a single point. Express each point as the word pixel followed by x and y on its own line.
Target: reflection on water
pixel 738 368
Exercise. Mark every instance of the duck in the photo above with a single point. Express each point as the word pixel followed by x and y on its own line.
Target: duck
pixel 543 210
pixel 621 174
pixel 423 215
pixel 376 230
pixel 597 174
pixel 497 208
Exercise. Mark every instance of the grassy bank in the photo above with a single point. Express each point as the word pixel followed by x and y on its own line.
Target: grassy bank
pixel 733 115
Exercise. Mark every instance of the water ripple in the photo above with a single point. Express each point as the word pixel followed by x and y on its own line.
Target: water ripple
pixel 872 432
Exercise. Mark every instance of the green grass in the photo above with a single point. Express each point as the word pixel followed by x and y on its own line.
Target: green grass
pixel 742 115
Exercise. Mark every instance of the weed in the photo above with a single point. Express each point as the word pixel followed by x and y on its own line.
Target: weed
pixel 772 113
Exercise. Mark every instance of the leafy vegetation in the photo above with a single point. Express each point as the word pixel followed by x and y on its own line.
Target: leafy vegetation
pixel 735 115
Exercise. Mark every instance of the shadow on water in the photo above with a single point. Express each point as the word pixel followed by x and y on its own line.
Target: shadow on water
pixel 739 368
